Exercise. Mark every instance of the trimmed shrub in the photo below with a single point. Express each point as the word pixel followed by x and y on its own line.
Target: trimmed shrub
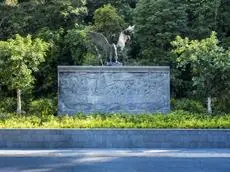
pixel 176 119
pixel 43 106
pixel 187 105
pixel 8 105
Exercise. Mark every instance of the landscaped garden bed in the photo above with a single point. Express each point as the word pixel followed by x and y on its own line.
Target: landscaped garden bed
pixel 177 119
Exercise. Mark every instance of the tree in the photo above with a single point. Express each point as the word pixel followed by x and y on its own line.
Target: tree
pixel 209 63
pixel 224 23
pixel 122 6
pixel 157 24
pixel 29 16
pixel 49 20
pixel 108 22
pixel 46 77
pixel 19 58
pixel 76 45
pixel 204 16
pixel 11 2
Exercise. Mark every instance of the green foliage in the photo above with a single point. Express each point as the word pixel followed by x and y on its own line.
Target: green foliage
pixel 108 22
pixel 124 8
pixel 46 77
pixel 187 105
pixel 204 16
pixel 177 119
pixel 32 15
pixel 76 42
pixel 19 58
pixel 8 105
pixel 222 103
pixel 43 106
pixel 209 63
pixel 224 23
pixel 91 59
pixel 64 23
pixel 10 2
pixel 157 23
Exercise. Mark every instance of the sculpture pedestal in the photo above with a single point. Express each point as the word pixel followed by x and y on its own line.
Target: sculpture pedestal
pixel 113 89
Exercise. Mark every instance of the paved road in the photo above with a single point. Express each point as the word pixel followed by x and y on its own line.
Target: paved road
pixel 125 160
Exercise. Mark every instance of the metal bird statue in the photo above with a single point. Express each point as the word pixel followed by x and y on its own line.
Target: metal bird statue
pixel 103 47
pixel 125 37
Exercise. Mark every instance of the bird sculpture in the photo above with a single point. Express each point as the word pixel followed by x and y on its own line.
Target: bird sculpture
pixel 103 47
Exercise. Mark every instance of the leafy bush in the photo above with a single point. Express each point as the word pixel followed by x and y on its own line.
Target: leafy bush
pixel 188 105
pixel 90 59
pixel 221 104
pixel 76 44
pixel 43 106
pixel 8 105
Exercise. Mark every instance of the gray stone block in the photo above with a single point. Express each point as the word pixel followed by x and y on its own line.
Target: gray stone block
pixel 113 89
pixel 114 138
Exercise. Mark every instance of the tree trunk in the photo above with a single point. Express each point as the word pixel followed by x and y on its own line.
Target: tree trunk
pixel 209 104
pixel 19 103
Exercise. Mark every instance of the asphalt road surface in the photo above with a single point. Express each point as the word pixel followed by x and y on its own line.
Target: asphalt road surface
pixel 115 160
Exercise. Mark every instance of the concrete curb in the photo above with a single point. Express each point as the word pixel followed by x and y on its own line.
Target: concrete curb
pixel 114 138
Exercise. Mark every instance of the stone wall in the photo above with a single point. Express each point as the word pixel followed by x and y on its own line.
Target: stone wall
pixel 113 89
pixel 113 138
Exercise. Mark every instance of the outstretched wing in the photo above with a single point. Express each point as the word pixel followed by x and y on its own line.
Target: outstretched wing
pixel 100 41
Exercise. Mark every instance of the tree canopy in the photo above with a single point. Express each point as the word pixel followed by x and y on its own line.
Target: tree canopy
pixel 19 58
pixel 64 25
pixel 210 64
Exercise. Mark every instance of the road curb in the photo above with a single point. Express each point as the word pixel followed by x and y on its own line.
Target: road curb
pixel 114 138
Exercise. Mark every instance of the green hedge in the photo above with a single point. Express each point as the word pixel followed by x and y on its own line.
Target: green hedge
pixel 188 105
pixel 177 119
